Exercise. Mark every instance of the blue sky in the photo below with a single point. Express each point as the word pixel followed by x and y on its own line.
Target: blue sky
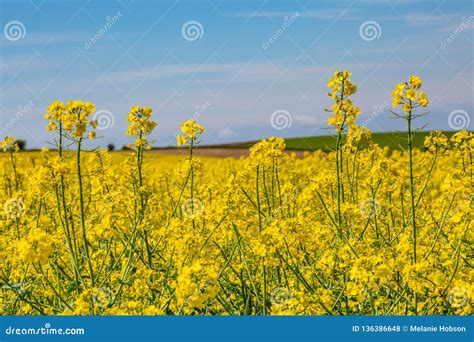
pixel 249 59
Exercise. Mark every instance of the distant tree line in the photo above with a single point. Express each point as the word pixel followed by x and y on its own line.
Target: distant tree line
pixel 22 145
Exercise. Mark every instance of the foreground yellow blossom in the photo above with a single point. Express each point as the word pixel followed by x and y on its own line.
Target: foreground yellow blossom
pixel 192 130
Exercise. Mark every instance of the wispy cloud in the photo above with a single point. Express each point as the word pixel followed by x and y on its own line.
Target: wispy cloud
pixel 326 14
pixel 394 2
pixel 307 119
pixel 254 70
pixel 53 38
pixel 415 19
pixel 172 70
pixel 423 19
pixel 227 133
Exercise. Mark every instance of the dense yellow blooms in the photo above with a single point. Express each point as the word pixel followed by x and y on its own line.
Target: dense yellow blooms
pixel 35 247
pixel 9 144
pixel 407 94
pixel 268 151
pixel 250 236
pixel 343 109
pixel 74 117
pixel 192 131
pixel 436 142
pixel 140 126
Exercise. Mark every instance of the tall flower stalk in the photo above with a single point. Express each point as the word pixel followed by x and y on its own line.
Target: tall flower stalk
pixel 10 146
pixel 192 132
pixel 141 126
pixel 344 114
pixel 408 96
pixel 265 156
pixel 56 114
pixel 73 122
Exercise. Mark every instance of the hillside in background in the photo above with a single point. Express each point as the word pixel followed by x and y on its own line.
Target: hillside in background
pixel 394 140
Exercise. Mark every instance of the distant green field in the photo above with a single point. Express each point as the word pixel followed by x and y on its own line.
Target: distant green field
pixel 394 140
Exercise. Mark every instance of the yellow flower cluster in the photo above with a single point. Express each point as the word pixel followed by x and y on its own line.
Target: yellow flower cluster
pixel 9 144
pixel 55 115
pixel 196 284
pixel 344 110
pixel 408 94
pixel 72 117
pixel 140 125
pixel 341 85
pixel 192 131
pixel 35 247
pixel 267 151
pixel 436 142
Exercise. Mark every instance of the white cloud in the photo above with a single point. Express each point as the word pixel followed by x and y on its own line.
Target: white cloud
pixel 53 38
pixel 226 133
pixel 393 2
pixel 307 119
pixel 314 14
pixel 254 70
pixel 327 14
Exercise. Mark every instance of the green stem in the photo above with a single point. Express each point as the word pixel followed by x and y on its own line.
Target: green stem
pixel 12 159
pixel 191 148
pixel 264 295
pixel 412 193
pixel 339 165
pixel 70 243
pixel 83 218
